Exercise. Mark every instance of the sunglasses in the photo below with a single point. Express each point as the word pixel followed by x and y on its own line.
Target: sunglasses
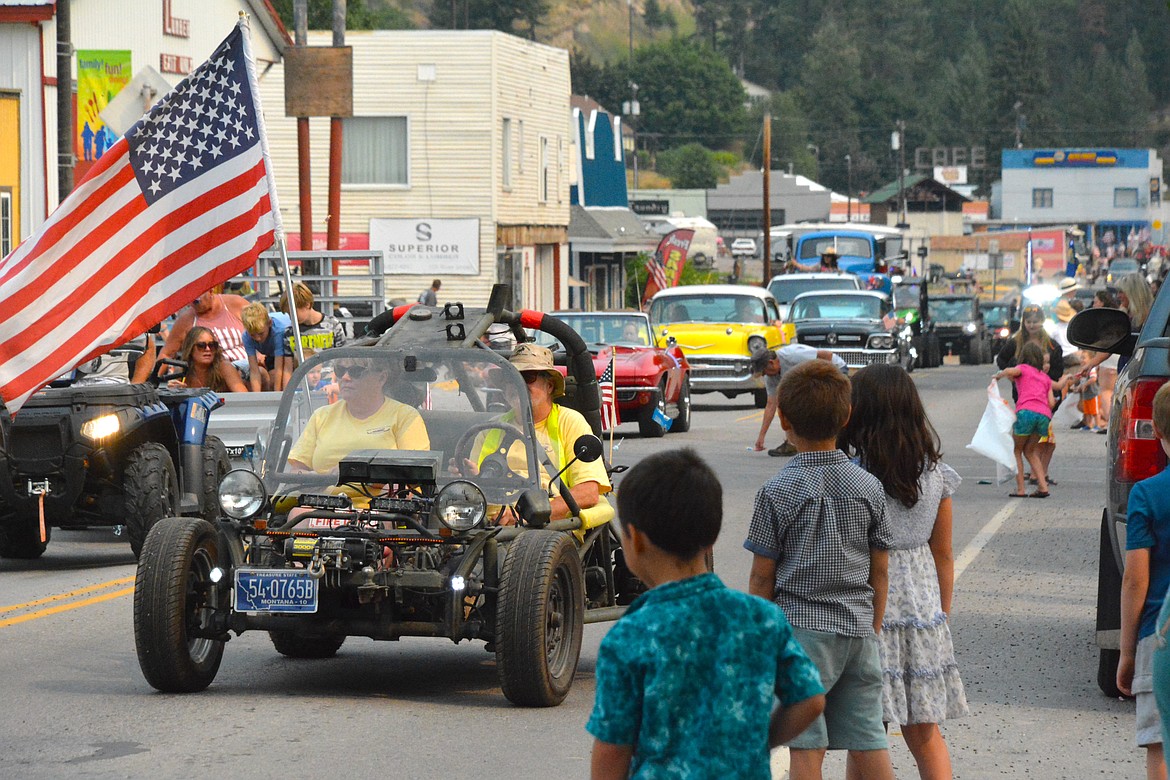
pixel 531 376
pixel 355 372
pixel 206 345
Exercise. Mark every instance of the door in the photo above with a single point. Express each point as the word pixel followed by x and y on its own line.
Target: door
pixel 9 172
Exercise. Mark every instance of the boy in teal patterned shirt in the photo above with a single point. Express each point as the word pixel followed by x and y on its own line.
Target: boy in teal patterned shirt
pixel 687 680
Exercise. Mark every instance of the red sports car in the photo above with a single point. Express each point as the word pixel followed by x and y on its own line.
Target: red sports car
pixel 648 379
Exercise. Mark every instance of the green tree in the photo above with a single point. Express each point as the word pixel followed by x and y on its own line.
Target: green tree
pixel 1020 78
pixel 359 15
pixel 830 89
pixel 511 16
pixel 652 14
pixel 691 166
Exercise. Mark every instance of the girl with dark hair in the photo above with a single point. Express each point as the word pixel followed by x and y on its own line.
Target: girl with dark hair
pixel 207 366
pixel 891 437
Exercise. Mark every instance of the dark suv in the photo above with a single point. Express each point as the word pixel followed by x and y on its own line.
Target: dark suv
pixel 958 323
pixel 1134 452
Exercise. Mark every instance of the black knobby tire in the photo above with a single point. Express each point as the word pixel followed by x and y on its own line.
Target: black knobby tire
pixel 215 466
pixel 933 351
pixel 682 423
pixel 970 355
pixel 150 489
pixel 292 646
pixel 1108 609
pixel 760 397
pixel 172 592
pixel 539 618
pixel 647 425
pixel 22 539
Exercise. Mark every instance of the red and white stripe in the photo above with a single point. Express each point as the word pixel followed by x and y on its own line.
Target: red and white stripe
pixel 609 410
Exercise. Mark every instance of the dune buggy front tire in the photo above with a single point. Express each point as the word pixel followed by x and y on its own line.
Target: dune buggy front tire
pixel 174 594
pixel 290 645
pixel 540 617
pixel 216 465
pixel 150 490
pixel 22 540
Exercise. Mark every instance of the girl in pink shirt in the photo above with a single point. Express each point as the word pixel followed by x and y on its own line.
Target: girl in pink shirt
pixel 1033 415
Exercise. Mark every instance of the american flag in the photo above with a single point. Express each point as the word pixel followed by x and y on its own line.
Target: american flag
pixel 657 272
pixel 610 418
pixel 183 201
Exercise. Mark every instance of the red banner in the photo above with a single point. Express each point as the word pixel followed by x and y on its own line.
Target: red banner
pixel 667 266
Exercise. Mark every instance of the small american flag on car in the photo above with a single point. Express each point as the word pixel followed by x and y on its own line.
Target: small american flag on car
pixel 609 410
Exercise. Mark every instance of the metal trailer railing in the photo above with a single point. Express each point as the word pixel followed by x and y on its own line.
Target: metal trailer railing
pixel 349 284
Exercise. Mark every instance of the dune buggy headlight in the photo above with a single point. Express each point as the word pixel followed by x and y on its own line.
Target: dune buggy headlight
pixel 881 341
pixel 460 506
pixel 101 427
pixel 241 494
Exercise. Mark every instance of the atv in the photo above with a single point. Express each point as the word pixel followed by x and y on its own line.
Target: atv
pixel 118 455
pixel 398 542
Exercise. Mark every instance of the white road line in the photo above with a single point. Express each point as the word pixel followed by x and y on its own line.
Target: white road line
pixel 976 545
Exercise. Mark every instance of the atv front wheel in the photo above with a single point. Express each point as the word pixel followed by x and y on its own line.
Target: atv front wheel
pixel 22 539
pixel 292 646
pixel 540 616
pixel 150 489
pixel 174 593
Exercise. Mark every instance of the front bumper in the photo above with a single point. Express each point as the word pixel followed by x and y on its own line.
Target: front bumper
pixel 860 358
pixel 722 373
pixel 634 398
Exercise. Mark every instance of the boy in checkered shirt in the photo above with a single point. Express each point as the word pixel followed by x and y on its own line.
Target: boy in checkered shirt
pixel 820 536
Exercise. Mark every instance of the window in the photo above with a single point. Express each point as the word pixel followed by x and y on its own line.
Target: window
pixel 1042 198
pixel 1125 197
pixel 520 144
pixel 506 157
pixel 6 227
pixel 375 150
pixel 544 173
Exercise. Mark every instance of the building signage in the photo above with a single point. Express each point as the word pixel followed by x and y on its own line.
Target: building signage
pixel 179 28
pixel 929 157
pixel 650 207
pixel 951 174
pixel 427 247
pixel 1074 158
pixel 100 76
pixel 173 63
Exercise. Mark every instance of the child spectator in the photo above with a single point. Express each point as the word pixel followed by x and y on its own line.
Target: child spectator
pixel 264 335
pixel 318 330
pixel 1088 405
pixel 1034 402
pixel 687 678
pixel 893 439
pixel 1143 588
pixel 820 535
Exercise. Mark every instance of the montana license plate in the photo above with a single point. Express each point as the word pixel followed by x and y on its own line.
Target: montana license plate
pixel 275 590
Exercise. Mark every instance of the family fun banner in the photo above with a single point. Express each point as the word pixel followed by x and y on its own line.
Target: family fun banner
pixel 665 269
pixel 100 76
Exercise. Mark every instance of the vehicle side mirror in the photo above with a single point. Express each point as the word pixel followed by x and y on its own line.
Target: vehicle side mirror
pixel 534 508
pixel 1103 330
pixel 587 448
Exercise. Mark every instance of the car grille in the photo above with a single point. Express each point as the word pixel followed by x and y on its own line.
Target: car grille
pixel 823 338
pixel 718 368
pixel 858 358
pixel 627 395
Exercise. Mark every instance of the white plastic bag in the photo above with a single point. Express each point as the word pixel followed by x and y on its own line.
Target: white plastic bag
pixel 993 437
pixel 1067 414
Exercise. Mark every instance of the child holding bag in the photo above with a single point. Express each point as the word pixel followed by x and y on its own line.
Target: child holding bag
pixel 1034 402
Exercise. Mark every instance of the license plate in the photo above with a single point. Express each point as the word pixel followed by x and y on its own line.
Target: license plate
pixel 275 590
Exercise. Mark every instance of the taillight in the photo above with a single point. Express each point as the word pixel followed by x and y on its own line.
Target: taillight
pixel 1139 453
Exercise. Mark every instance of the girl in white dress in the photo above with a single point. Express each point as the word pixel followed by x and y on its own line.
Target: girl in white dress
pixel 890 436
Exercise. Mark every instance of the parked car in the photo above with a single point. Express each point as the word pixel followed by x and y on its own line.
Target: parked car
pixel 648 378
pixel 958 323
pixel 718 327
pixel 858 325
pixel 743 247
pixel 455 541
pixel 785 287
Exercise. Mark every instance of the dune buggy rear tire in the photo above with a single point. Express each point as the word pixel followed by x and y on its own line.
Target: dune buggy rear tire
pixel 290 645
pixel 22 540
pixel 216 465
pixel 540 618
pixel 173 593
pixel 150 490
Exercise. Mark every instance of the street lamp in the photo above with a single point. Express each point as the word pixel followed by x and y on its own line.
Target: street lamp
pixel 849 197
pixel 816 151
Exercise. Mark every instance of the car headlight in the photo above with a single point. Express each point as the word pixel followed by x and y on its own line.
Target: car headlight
pixel 1004 333
pixel 970 327
pixel 881 341
pixel 101 427
pixel 757 344
pixel 460 506
pixel 241 494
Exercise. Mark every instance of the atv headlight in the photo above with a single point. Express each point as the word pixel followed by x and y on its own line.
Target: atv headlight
pixel 970 327
pixel 101 427
pixel 241 494
pixel 460 506
pixel 881 341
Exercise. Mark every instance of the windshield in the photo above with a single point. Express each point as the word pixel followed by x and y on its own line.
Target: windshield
pixel 907 296
pixel 461 405
pixel 997 314
pixel 626 329
pixel 962 310
pixel 723 307
pixel 836 307
pixel 847 246
pixel 786 289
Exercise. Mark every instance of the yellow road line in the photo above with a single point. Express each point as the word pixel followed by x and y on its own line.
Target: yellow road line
pixel 69 595
pixel 66 607
pixel 754 415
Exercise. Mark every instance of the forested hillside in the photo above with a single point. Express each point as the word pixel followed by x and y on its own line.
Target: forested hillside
pixel 959 73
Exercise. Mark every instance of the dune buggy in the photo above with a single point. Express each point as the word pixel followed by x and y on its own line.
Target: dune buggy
pixel 451 540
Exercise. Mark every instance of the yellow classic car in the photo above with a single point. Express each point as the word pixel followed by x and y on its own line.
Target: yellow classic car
pixel 718 326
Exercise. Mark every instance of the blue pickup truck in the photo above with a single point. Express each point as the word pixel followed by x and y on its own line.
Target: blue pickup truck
pixel 869 253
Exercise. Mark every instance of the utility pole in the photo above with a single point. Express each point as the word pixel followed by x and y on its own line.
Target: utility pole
pixel 633 112
pixel 304 169
pixel 65 126
pixel 900 141
pixel 767 221
pixel 333 234
pixel 849 196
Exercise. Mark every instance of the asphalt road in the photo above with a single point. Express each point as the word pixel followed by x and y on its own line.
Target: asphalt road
pixel 74 703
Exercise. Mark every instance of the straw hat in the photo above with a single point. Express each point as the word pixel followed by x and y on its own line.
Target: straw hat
pixel 1068 283
pixel 533 357
pixel 832 250
pixel 1064 310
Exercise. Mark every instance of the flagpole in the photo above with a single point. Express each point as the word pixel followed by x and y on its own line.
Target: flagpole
pixel 292 304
